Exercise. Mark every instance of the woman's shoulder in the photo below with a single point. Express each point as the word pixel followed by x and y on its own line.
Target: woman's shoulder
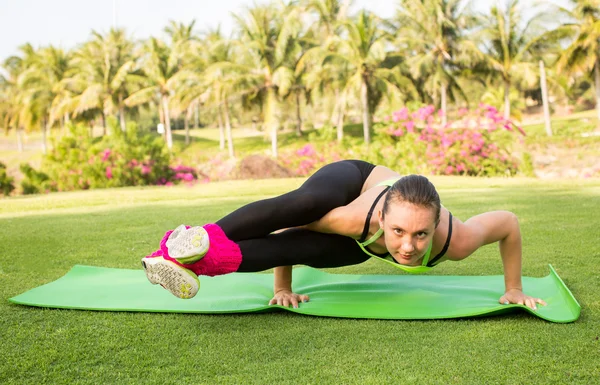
pixel 378 175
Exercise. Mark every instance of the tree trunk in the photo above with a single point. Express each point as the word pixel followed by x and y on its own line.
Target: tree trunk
pixel 20 139
pixel 44 137
pixel 597 86
pixel 228 130
pixel 364 97
pixel 165 103
pixel 271 119
pixel 340 117
pixel 67 120
pixel 196 114
pixel 161 114
pixel 444 105
pixel 333 118
pixel 122 114
pixel 186 124
pixel 221 129
pixel 103 124
pixel 545 99
pixel 506 99
pixel 298 115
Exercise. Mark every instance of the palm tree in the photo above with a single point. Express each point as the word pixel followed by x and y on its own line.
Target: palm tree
pixel 4 103
pixel 329 15
pixel 271 34
pixel 327 77
pixel 181 32
pixel 293 76
pixel 432 30
pixel 510 46
pixel 229 75
pixel 182 36
pixel 32 88
pixel 208 78
pixel 297 88
pixel 10 103
pixel 43 85
pixel 104 71
pixel 583 54
pixel 160 63
pixel 221 78
pixel 364 51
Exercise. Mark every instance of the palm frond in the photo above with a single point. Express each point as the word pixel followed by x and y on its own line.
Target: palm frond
pixel 142 96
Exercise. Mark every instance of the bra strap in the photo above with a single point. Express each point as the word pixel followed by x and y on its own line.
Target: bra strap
pixel 370 214
pixel 372 239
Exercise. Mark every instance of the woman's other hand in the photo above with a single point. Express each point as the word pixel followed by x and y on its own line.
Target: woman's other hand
pixel 287 298
pixel 516 296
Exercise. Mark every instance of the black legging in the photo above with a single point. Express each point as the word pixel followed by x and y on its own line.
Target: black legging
pixel 336 184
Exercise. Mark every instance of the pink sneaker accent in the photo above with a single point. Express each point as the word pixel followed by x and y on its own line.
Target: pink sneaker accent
pixel 223 257
pixel 157 253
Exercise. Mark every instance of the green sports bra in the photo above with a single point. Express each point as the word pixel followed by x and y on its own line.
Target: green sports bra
pixel 388 258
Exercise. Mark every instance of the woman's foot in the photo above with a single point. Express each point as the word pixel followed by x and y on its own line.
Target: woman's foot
pixel 184 254
pixel 188 244
pixel 181 282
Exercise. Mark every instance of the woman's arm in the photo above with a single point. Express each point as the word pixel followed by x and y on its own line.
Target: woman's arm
pixel 283 278
pixel 486 228
pixel 282 285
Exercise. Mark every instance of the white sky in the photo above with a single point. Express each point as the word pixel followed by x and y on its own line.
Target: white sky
pixel 66 23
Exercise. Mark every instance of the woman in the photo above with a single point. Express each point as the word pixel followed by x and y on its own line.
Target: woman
pixel 344 214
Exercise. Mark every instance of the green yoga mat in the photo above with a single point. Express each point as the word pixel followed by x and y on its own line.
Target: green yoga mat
pixel 331 295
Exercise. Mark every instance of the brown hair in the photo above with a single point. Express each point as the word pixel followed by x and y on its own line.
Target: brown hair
pixel 415 189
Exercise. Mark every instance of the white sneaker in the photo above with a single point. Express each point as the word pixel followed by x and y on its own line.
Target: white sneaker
pixel 181 282
pixel 188 245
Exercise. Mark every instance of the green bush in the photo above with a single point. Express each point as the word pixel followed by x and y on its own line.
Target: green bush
pixel 526 167
pixel 78 162
pixel 34 182
pixel 6 182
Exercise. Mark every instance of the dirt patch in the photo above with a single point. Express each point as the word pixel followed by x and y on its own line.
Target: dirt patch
pixel 552 161
pixel 260 167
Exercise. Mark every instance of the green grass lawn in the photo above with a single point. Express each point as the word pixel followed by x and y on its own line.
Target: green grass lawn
pixel 42 237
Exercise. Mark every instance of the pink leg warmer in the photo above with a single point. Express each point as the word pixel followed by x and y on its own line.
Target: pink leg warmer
pixel 223 256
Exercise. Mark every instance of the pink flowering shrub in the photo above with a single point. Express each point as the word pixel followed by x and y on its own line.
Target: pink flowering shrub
pixel 476 143
pixel 78 162
pixel 307 159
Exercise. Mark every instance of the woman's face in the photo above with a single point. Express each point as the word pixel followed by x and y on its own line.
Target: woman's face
pixel 408 229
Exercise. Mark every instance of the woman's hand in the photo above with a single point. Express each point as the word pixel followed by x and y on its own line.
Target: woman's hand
pixel 518 297
pixel 287 298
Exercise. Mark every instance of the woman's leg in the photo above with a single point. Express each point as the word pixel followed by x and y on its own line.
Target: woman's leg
pixel 242 241
pixel 336 184
pixel 299 247
pixel 288 248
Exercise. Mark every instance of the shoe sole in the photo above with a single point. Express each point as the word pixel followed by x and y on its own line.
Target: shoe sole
pixel 190 246
pixel 181 282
